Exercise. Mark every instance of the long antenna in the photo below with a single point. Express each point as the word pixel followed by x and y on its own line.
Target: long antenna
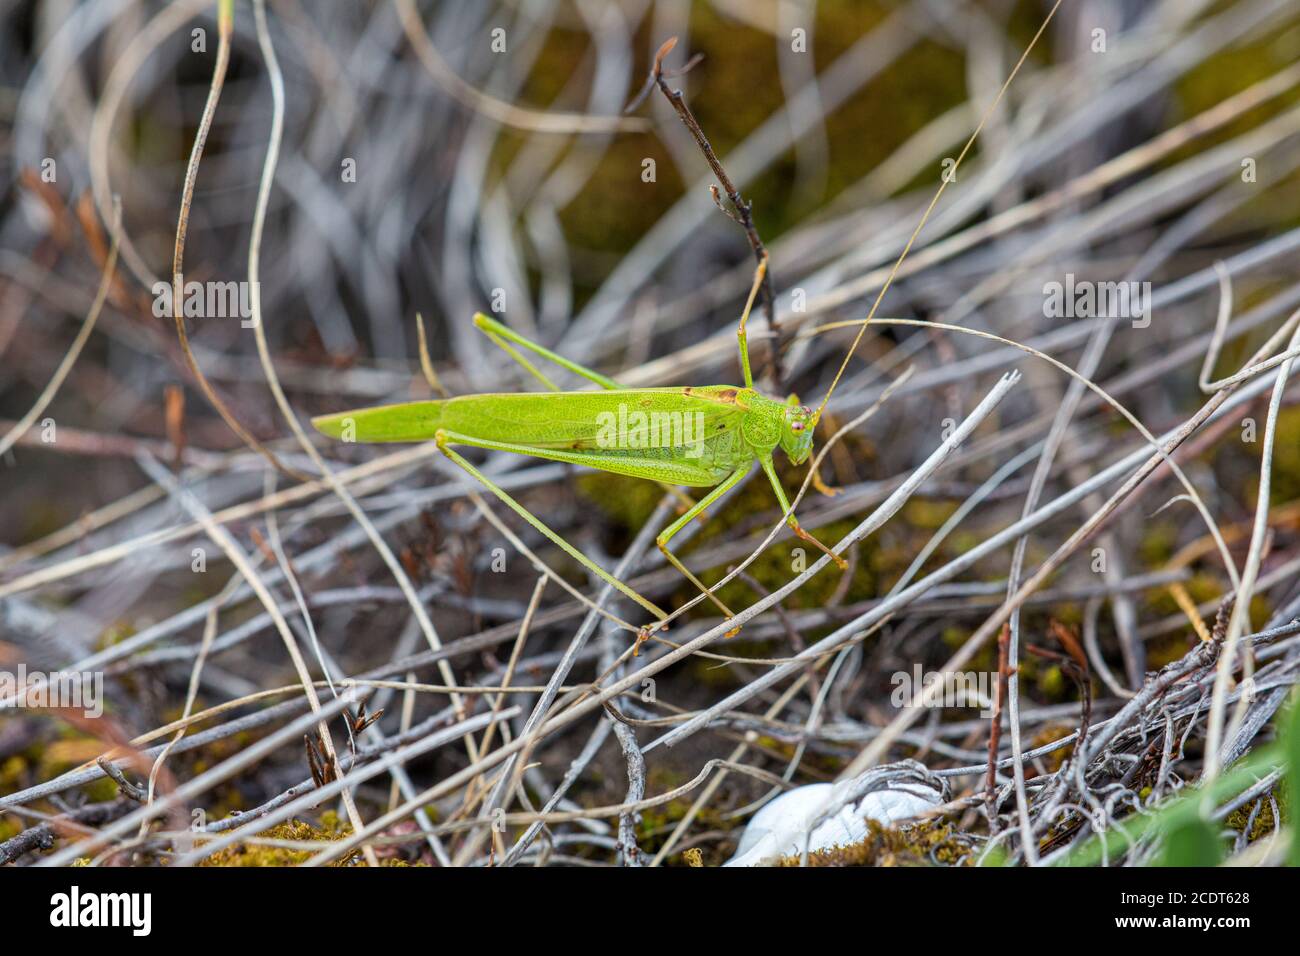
pixel 943 184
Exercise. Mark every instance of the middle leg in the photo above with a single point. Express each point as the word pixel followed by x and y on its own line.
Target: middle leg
pixel 671 531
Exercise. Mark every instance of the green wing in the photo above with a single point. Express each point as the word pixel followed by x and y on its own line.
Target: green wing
pixel 410 421
pixel 574 420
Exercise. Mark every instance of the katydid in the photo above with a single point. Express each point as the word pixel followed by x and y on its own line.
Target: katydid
pixel 701 436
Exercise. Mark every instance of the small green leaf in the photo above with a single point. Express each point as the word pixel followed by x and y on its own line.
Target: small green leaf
pixel 1192 842
pixel 995 857
pixel 1291 753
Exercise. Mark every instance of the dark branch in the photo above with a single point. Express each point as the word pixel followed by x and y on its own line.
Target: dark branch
pixel 743 213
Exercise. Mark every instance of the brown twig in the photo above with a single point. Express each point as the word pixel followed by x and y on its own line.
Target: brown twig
pixel 741 211
pixel 174 415
pixel 995 728
pixel 1074 663
pixel 128 789
pixel 43 835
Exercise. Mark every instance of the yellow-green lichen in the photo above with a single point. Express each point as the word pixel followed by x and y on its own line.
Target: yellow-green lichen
pixel 924 844
pixel 1264 824
pixel 330 829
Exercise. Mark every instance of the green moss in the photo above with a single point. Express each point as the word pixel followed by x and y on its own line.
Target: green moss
pixel 922 844
pixel 753 510
pixel 1170 648
pixel 115 634
pixel 1284 485
pixel 551 72
pixel 627 502
pixel 330 829
pixel 71 749
pixel 784 560
pixel 927 513
pixel 1050 734
pixel 954 636
pixel 959 542
pixel 13 772
pixel 658 822
pixel 10 827
pixel 1052 682
pixel 1158 543
pixel 1230 71
pixel 1069 614
pixel 1264 823
pixel 1201 587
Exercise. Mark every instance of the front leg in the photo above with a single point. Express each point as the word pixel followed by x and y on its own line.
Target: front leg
pixel 671 531
pixel 741 338
pixel 770 470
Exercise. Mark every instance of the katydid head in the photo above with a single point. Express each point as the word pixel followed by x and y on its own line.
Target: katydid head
pixel 797 427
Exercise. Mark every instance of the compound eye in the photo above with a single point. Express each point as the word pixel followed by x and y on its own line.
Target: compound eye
pixel 796 426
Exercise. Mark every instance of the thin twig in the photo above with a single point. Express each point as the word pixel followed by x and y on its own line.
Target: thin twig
pixel 741 211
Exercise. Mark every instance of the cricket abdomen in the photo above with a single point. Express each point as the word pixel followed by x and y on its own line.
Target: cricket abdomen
pixel 695 436
pixel 410 421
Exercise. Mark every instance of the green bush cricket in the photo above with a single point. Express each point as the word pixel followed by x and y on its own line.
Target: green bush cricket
pixel 698 436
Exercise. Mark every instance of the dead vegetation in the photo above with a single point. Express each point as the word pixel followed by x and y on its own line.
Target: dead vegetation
pixel 1079 480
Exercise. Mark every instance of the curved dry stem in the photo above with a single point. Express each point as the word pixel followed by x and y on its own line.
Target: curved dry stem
pixel 163 24
pixel 1239 621
pixel 225 25
pixel 532 121
pixel 1223 316
pixel 224 540
pixel 1193 495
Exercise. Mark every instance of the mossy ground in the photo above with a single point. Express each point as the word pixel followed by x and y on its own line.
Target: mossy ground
pixel 1264 823
pixel 328 829
pixel 921 844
